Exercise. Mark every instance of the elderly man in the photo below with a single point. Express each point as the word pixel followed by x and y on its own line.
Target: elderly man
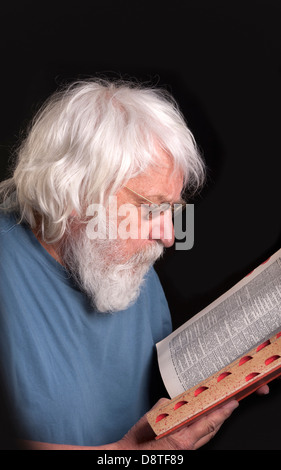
pixel 81 305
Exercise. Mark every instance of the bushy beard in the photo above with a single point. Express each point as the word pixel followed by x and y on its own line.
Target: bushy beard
pixel 99 269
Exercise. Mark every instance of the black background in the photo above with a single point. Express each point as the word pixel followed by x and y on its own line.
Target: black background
pixel 221 60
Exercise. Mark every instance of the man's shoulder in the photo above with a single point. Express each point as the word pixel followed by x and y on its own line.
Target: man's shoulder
pixel 12 234
pixel 8 221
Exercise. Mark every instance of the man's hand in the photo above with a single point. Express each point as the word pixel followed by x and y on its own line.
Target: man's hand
pixel 189 437
pixel 141 436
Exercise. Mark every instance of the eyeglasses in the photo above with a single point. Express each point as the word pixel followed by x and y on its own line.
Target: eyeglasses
pixel 156 209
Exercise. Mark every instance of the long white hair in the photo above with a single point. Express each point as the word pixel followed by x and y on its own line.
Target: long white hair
pixel 86 142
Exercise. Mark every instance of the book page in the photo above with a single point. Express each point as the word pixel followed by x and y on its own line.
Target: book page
pixel 243 317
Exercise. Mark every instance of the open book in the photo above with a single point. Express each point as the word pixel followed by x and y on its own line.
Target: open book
pixel 214 343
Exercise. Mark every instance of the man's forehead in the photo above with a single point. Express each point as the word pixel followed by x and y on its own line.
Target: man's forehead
pixel 160 180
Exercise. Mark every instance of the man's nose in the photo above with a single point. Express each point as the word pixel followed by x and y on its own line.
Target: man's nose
pixel 168 242
pixel 163 229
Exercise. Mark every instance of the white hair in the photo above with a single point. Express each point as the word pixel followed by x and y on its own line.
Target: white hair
pixel 86 142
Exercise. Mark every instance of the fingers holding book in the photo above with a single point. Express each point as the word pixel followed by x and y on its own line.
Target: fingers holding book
pixel 197 434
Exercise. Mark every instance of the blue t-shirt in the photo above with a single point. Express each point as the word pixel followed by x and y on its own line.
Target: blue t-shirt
pixel 74 376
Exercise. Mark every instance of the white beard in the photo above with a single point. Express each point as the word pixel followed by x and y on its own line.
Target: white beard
pixel 97 267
